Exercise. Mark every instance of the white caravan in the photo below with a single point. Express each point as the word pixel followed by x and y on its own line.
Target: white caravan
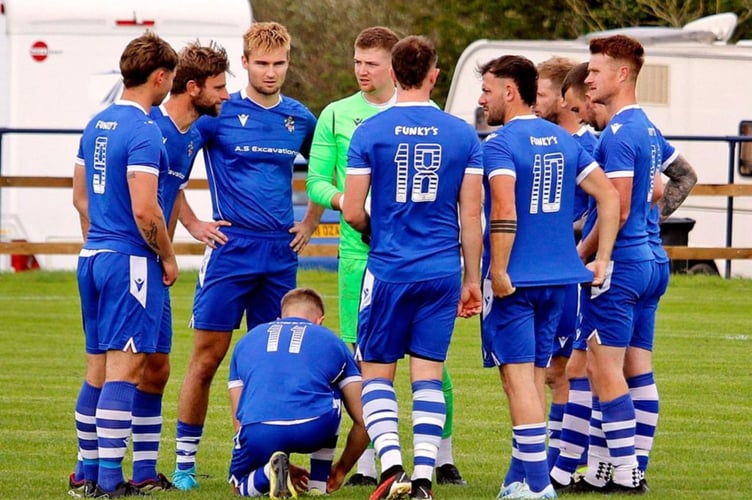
pixel 59 63
pixel 692 84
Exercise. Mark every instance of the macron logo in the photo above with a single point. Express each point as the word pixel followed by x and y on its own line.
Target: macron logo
pixel 615 128
pixel 563 341
pixel 243 119
pixel 139 284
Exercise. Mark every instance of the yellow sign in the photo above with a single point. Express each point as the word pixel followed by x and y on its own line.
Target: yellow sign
pixel 326 231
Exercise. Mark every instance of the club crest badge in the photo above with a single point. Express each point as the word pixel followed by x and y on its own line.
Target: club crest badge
pixel 290 124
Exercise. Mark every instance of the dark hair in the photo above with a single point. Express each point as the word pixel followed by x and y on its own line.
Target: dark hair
pixel 620 47
pixel 197 63
pixel 412 58
pixel 144 55
pixel 519 69
pixel 376 37
pixel 575 80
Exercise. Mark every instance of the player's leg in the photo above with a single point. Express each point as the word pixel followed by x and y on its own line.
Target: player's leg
pixel 435 305
pixel 446 470
pixel 381 342
pixel 225 279
pixel 84 479
pixel 350 278
pixel 128 322
pixel 608 322
pixel 147 411
pixel 556 377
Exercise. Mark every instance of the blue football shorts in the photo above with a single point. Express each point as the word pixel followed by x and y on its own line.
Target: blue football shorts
pixel 122 301
pixel 644 325
pixel 567 328
pixel 609 311
pixel 520 328
pixel 248 274
pixel 407 318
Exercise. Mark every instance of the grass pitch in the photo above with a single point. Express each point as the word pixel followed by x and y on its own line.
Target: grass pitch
pixel 703 349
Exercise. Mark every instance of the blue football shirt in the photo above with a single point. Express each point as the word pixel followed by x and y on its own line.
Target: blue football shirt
pixel 417 156
pixel 249 154
pixel 290 369
pixel 120 139
pixel 547 163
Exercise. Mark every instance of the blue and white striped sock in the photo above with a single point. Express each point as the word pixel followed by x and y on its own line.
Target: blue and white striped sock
pixel 531 441
pixel 187 438
pixel 555 418
pixel 321 464
pixel 113 430
pixel 147 431
pixel 516 471
pixel 381 417
pixel 599 461
pixel 644 394
pixel 619 428
pixel 575 430
pixel 86 432
pixel 429 415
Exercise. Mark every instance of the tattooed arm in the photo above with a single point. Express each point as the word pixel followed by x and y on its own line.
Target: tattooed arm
pixel 682 178
pixel 150 221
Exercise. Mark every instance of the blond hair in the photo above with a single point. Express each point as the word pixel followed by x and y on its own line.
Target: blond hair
pixel 265 37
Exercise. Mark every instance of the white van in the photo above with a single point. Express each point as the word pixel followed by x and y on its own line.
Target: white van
pixel 59 63
pixel 692 84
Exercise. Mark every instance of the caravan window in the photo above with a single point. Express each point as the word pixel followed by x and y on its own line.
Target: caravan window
pixel 745 151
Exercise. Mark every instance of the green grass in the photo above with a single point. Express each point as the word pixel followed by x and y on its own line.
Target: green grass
pixel 703 350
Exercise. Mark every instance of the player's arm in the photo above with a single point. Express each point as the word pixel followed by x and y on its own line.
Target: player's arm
pixel 81 198
pixel 357 438
pixel 354 211
pixel 207 232
pixel 608 204
pixel 503 228
pixel 320 181
pixel 471 240
pixel 235 388
pixel 590 244
pixel 304 229
pixel 682 178
pixel 150 221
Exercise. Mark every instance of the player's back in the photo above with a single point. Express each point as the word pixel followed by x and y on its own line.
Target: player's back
pixel 118 140
pixel 547 164
pixel 249 154
pixel 418 156
pixel 291 369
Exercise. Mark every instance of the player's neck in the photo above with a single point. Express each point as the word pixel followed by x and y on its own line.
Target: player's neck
pixel 516 109
pixel 181 111
pixel 569 123
pixel 380 97
pixel 413 95
pixel 140 96
pixel 264 100
pixel 626 97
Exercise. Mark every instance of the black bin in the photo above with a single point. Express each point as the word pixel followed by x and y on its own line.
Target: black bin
pixel 675 232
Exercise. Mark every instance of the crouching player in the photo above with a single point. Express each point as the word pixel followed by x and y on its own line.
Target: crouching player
pixel 288 379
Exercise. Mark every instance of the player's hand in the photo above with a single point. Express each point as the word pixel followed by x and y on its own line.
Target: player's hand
pixel 501 284
pixel 169 271
pixel 601 271
pixel 299 478
pixel 471 300
pixel 302 231
pixel 336 477
pixel 209 232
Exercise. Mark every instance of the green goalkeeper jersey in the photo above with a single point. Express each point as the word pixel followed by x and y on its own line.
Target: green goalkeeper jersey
pixel 327 162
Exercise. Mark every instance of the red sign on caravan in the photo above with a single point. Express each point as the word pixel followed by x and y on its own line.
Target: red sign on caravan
pixel 39 51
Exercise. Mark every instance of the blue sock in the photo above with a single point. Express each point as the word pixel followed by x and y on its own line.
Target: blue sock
pixel 87 466
pixel 531 441
pixel 619 428
pixel 429 415
pixel 555 417
pixel 113 430
pixel 187 437
pixel 321 464
pixel 575 430
pixel 147 431
pixel 516 471
pixel 644 394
